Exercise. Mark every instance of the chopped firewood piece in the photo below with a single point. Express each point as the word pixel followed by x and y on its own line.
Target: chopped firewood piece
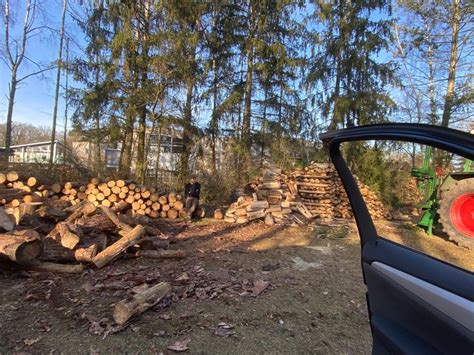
pixel 124 310
pixel 21 247
pixel 162 254
pixel 112 252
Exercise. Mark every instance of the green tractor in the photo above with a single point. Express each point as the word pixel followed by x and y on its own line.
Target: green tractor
pixel 449 197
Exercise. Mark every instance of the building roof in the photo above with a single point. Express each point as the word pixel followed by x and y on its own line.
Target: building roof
pixel 36 144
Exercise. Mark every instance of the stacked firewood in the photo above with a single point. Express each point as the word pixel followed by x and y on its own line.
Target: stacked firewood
pixel 317 189
pixel 321 190
pixel 273 201
pixel 55 237
pixel 18 192
pixel 302 194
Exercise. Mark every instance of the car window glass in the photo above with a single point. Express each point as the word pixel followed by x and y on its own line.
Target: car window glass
pixel 418 196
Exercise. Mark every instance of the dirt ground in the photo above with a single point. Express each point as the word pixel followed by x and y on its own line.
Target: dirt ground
pixel 242 289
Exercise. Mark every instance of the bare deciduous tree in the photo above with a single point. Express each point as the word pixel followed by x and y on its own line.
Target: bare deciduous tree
pixel 14 55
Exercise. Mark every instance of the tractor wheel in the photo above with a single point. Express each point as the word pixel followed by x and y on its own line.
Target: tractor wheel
pixel 456 212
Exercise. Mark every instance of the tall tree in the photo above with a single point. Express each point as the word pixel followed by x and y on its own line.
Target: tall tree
pixel 96 100
pixel 58 82
pixel 15 55
pixel 345 63
pixel 453 60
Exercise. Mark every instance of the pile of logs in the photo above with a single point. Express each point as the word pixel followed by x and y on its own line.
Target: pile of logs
pixel 22 193
pixel 273 201
pixel 314 191
pixel 321 190
pixel 59 238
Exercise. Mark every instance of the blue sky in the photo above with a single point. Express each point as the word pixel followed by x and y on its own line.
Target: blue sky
pixel 35 96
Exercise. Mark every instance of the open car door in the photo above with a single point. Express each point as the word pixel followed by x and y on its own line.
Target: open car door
pixel 417 304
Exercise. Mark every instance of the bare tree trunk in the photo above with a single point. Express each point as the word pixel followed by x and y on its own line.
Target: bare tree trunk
pixel 66 98
pixel 158 154
pixel 431 86
pixel 58 82
pixel 187 124
pixel 448 103
pixel 15 63
pixel 246 120
pixel 126 153
pixel 141 138
pixel 264 127
pixel 214 119
pixel 11 101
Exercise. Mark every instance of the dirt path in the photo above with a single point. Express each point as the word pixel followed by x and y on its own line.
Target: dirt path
pixel 251 289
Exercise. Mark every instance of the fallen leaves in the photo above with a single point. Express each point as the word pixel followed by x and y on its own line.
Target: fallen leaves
pixel 224 330
pixel 259 286
pixel 30 342
pixel 180 345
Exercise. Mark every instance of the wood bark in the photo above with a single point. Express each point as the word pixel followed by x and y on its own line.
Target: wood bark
pixel 114 251
pixel 21 248
pixel 54 267
pixel 162 254
pixel 124 310
pixel 453 60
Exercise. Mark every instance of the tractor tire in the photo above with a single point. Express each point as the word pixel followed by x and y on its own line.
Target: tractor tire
pixel 456 212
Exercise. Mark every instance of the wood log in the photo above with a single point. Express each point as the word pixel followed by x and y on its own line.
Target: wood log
pixel 269 221
pixel 21 247
pixel 27 209
pixel 54 267
pixel 255 215
pixel 120 206
pixel 163 200
pixel 229 219
pixel 3 178
pixel 178 205
pixel 31 181
pixel 241 220
pixel 240 212
pixel 218 214
pixel 162 254
pixel 200 212
pixel 113 251
pixel 56 188
pixel 54 252
pixel 85 254
pixel 106 203
pixel 116 190
pixel 67 238
pixel 172 197
pixel 120 183
pixel 257 205
pixel 172 213
pixel 12 176
pixel 115 220
pixel 84 208
pixel 124 310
